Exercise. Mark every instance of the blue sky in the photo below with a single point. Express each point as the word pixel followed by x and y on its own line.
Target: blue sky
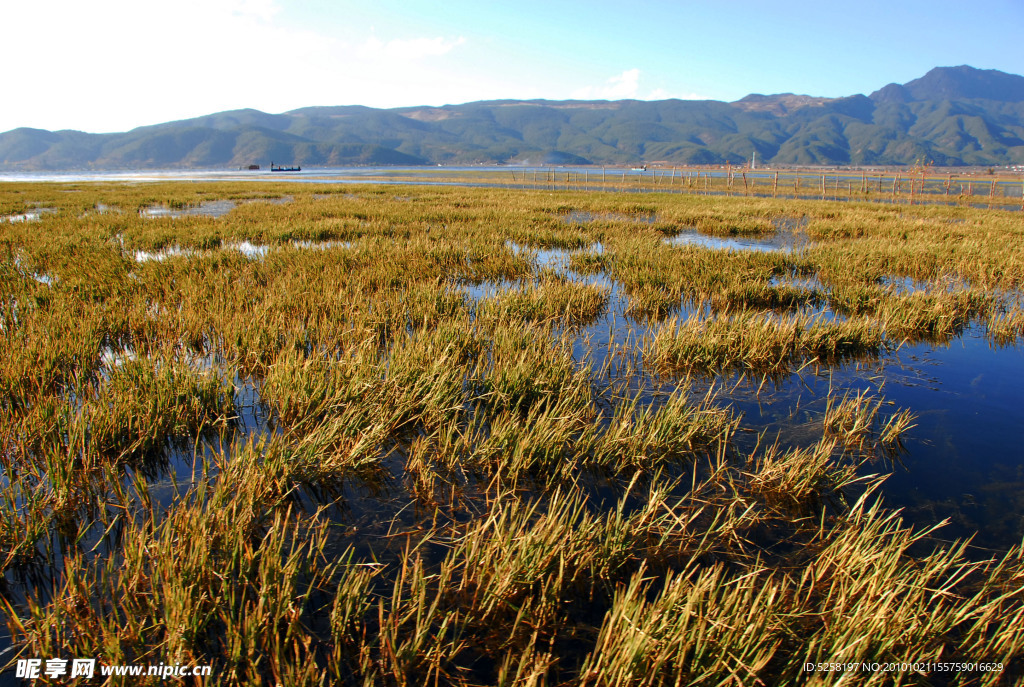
pixel 111 65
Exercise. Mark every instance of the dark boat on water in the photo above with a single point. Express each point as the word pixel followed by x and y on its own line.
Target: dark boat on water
pixel 278 168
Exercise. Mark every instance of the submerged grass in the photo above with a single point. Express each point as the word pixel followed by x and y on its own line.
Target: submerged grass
pixel 386 479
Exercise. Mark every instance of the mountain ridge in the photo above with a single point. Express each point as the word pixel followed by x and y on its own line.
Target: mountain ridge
pixel 950 116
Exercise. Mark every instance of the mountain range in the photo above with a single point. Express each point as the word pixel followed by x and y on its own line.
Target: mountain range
pixel 951 116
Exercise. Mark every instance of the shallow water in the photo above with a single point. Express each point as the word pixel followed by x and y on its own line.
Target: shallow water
pixel 963 461
pixel 163 254
pixel 555 258
pixel 321 245
pixel 909 285
pixel 786 242
pixel 248 249
pixel 210 208
pixel 584 217
pixel 33 215
pixel 251 250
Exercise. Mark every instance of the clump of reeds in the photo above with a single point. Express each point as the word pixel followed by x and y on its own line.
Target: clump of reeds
pixel 142 402
pixel 677 429
pixel 758 342
pixel 653 302
pixel 753 295
pixel 1006 328
pixel 932 316
pixel 854 419
pixel 221 578
pixel 549 300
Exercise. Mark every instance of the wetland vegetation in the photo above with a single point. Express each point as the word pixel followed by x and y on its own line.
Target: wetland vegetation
pixel 400 435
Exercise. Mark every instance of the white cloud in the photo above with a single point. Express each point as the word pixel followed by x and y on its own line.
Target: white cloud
pixel 408 49
pixel 662 94
pixel 625 85
pixel 112 65
pixel 265 10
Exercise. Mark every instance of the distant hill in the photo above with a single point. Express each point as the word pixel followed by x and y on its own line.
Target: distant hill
pixel 957 83
pixel 949 116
